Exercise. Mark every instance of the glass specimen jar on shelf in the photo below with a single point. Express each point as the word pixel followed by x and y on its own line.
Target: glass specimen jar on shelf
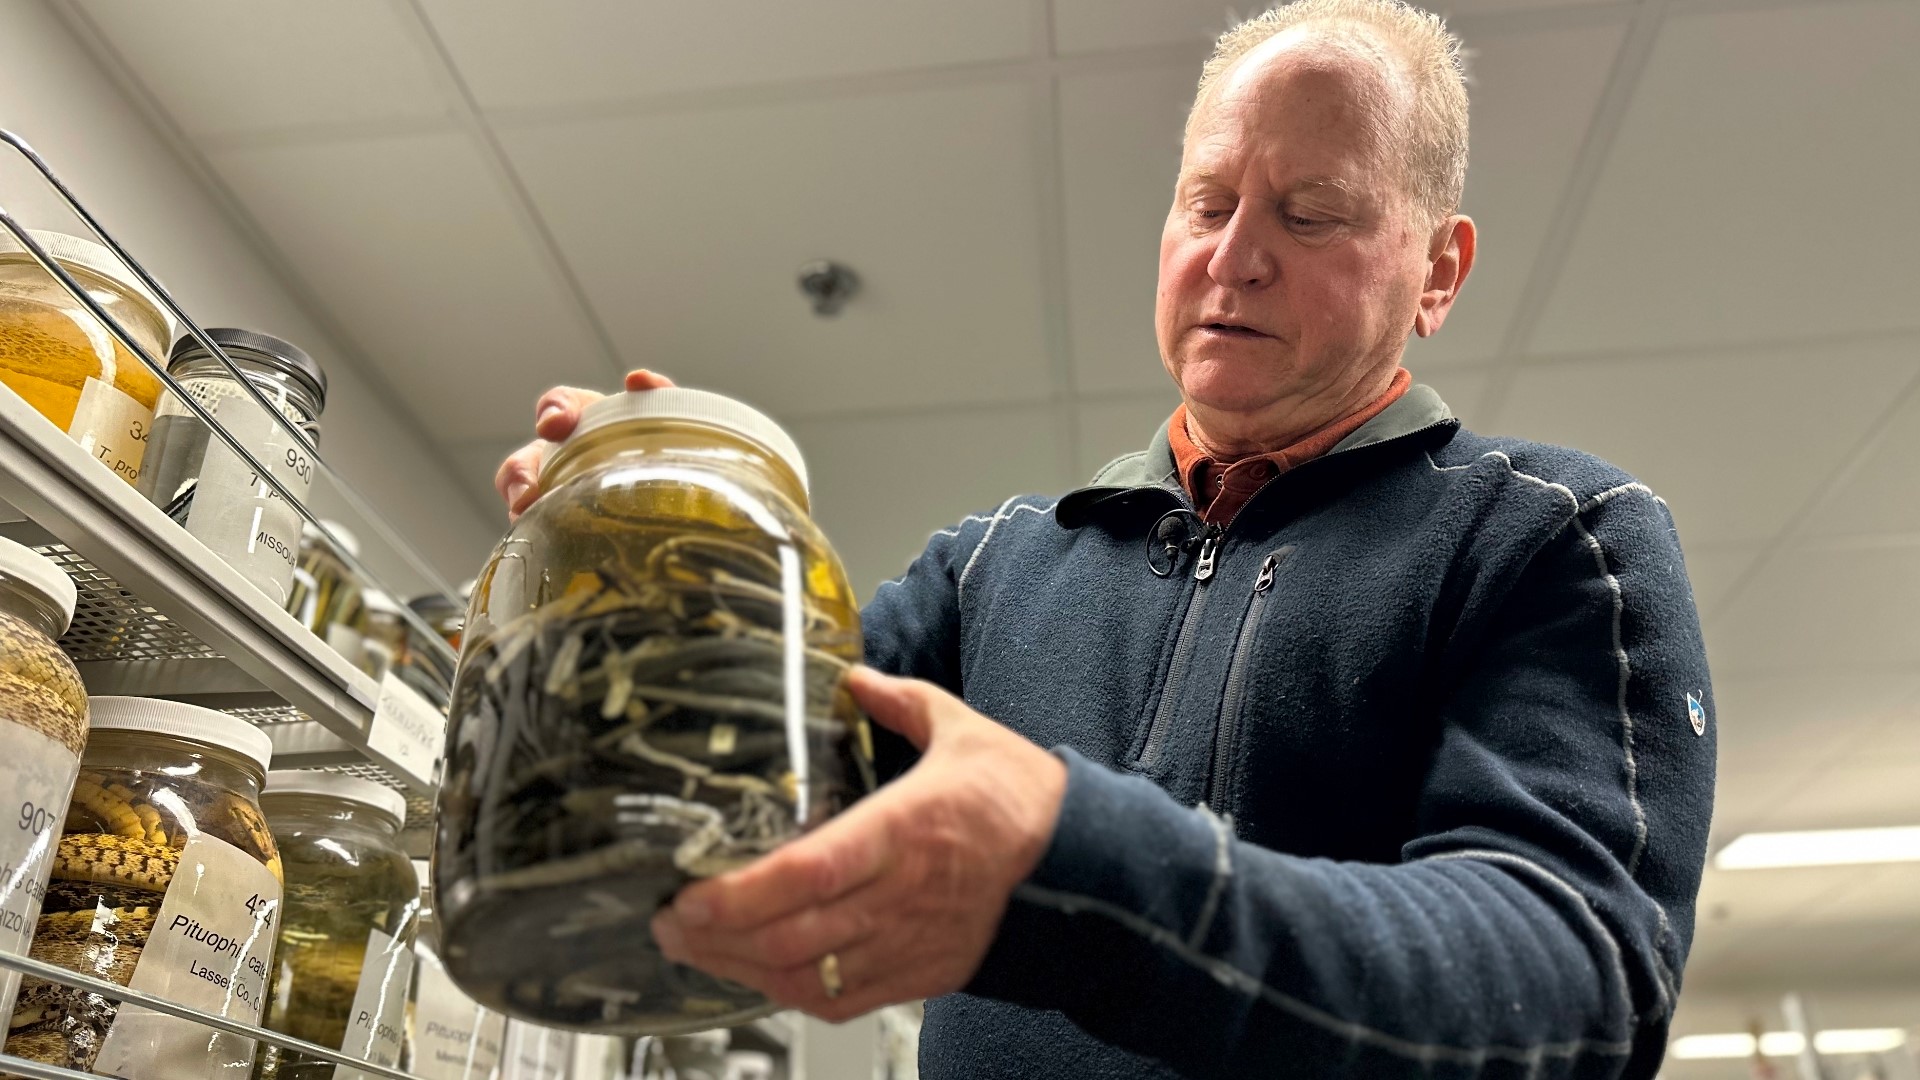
pixel 212 491
pixel 651 691
pixel 345 954
pixel 167 880
pixel 43 728
pixel 57 356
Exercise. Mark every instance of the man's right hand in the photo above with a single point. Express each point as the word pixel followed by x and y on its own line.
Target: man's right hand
pixel 554 417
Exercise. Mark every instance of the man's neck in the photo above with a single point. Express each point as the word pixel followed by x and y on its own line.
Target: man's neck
pixel 1230 436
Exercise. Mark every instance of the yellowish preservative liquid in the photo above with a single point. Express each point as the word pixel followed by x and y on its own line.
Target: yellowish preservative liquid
pixel 651 691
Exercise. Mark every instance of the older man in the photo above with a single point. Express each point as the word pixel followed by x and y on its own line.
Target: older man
pixel 1379 748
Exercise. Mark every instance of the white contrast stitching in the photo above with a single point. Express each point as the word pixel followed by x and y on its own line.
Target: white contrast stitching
pixel 953 531
pixel 1222 873
pixel 1619 647
pixel 1000 515
pixel 1598 928
pixel 1228 975
pixel 1607 496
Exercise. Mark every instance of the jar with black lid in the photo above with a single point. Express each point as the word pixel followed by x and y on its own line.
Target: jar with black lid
pixel 201 483
pixel 651 691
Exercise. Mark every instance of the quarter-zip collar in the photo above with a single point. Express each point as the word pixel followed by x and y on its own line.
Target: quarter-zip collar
pixel 1420 419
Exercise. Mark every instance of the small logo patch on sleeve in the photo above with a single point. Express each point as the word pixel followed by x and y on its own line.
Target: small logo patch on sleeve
pixel 1697 713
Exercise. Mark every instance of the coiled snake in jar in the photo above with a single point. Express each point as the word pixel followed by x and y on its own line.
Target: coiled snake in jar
pixel 110 873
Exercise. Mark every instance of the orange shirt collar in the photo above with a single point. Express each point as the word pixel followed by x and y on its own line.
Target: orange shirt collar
pixel 1219 489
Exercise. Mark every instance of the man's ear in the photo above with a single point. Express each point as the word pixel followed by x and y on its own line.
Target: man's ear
pixel 1449 261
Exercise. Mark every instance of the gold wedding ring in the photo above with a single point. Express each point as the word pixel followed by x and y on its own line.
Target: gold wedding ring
pixel 830 976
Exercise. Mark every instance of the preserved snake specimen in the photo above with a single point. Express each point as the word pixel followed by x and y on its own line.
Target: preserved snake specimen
pixel 675 712
pixel 111 870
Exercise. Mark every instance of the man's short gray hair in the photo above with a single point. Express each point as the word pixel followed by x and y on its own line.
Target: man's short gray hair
pixel 1429 59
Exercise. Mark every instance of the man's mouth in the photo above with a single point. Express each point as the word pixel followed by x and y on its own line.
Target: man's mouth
pixel 1232 330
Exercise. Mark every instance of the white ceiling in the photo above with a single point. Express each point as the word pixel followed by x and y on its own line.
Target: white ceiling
pixel 1697 260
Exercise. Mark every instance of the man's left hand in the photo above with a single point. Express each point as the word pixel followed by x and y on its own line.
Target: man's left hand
pixel 905 889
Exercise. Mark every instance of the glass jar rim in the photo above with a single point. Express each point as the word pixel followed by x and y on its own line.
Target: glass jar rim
pixel 27 570
pixel 192 723
pixel 78 253
pixel 679 404
pixel 339 787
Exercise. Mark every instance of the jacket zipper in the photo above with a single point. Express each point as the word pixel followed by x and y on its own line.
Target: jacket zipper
pixel 1183 647
pixel 1228 728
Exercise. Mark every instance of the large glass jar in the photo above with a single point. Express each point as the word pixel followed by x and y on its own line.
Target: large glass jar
pixel 202 484
pixel 651 691
pixel 345 955
pixel 326 593
pixel 59 358
pixel 166 880
pixel 43 728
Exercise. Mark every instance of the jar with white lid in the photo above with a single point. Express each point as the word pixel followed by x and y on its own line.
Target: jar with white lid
pixel 43 728
pixel 166 880
pixel 345 955
pixel 651 691
pixel 202 484
pixel 57 356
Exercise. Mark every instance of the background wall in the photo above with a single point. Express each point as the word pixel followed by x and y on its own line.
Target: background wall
pixel 57 96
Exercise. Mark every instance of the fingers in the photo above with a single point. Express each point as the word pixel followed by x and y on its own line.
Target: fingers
pixel 903 705
pixel 833 860
pixel 798 938
pixel 867 979
pixel 558 410
pixel 643 379
pixel 518 479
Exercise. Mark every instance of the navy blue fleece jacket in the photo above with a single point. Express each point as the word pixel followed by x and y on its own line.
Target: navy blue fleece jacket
pixel 1407 772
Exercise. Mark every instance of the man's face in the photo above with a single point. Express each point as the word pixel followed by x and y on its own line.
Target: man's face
pixel 1293 258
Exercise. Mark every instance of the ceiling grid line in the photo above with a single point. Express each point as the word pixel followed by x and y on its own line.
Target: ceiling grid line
pixel 1557 247
pixel 1050 203
pixel 467 111
pixel 1856 459
pixel 304 296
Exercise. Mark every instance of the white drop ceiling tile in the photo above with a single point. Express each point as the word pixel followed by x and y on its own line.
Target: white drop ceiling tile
pixel 687 231
pixel 224 66
pixel 1704 431
pixel 1772 723
pixel 1744 900
pixel 1821 610
pixel 1885 895
pixel 882 485
pixel 1120 152
pixel 411 247
pixel 1714 570
pixel 1462 388
pixel 1110 428
pixel 517 55
pixel 1082 26
pixel 1796 957
pixel 1533 97
pixel 1855 795
pixel 1883 495
pixel 1760 186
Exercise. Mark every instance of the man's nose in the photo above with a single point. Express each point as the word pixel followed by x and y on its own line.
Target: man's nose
pixel 1243 259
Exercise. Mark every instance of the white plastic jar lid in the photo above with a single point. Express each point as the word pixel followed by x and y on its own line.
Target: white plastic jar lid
pixel 695 406
pixel 42 576
pixel 183 721
pixel 337 786
pixel 96 259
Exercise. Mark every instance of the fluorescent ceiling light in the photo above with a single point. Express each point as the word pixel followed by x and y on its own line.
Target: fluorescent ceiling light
pixel 1820 847
pixel 1789 1043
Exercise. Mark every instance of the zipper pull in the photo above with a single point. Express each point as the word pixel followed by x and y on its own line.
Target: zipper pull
pixel 1265 581
pixel 1203 569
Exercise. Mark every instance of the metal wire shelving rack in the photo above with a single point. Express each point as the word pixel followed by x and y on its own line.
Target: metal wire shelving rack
pixel 159 615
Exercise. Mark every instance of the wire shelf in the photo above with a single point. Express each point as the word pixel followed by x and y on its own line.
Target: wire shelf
pixel 111 623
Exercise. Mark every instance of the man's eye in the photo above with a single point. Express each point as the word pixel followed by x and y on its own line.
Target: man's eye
pixel 1306 224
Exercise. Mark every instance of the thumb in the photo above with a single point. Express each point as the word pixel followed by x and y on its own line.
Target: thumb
pixel 902 705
